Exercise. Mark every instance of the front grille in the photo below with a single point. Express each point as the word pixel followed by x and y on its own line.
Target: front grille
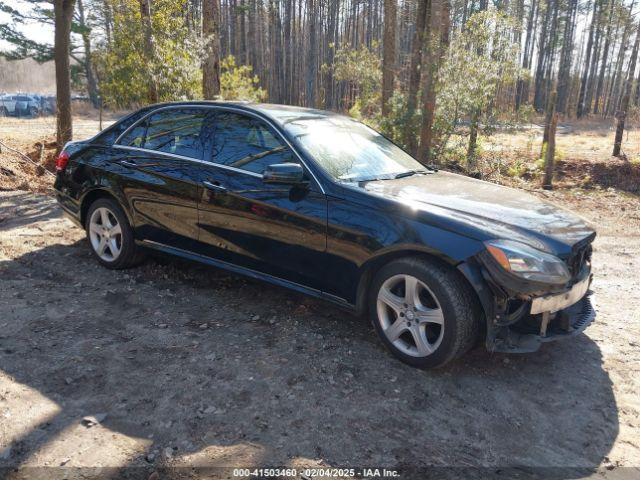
pixel 578 259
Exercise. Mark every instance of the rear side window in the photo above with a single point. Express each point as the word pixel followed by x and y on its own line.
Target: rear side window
pixel 247 143
pixel 135 136
pixel 176 131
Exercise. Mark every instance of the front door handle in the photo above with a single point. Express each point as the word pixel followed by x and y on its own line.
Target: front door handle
pixel 214 185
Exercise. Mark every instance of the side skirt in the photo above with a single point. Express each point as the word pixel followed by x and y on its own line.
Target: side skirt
pixel 340 302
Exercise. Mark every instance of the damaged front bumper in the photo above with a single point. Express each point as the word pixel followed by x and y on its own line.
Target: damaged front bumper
pixel 531 331
pixel 520 318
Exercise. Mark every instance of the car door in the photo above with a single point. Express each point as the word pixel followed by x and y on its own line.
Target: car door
pixel 278 230
pixel 11 105
pixel 21 105
pixel 155 158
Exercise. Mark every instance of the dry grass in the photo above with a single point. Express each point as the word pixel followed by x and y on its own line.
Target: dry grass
pixel 29 136
pixel 583 158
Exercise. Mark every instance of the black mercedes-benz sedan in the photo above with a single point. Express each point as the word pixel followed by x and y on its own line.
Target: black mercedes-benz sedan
pixel 324 205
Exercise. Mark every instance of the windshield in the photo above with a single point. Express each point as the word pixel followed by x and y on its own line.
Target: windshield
pixel 350 151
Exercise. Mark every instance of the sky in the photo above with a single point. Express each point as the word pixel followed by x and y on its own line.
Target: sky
pixel 34 31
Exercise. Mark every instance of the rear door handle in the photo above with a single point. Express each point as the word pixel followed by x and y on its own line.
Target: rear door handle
pixel 130 164
pixel 214 185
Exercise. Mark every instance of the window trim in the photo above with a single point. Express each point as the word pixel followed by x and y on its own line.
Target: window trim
pixel 140 121
pixel 182 157
pixel 248 113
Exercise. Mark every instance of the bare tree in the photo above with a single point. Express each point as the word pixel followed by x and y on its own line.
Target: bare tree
pixel 85 31
pixel 211 63
pixel 582 108
pixel 311 62
pixel 436 52
pixel 389 53
pixel 624 103
pixel 149 48
pixel 550 153
pixel 63 13
pixel 424 9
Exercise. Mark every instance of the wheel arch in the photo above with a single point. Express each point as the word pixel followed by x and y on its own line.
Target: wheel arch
pixel 374 264
pixel 95 194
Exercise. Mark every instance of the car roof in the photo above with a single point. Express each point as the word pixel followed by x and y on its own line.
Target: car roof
pixel 280 114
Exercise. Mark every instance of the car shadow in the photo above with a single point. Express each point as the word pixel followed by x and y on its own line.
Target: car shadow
pixel 205 368
pixel 24 208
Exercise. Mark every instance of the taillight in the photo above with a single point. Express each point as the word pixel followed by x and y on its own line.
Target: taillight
pixel 61 161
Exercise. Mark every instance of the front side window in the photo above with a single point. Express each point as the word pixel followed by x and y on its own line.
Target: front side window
pixel 175 131
pixel 247 143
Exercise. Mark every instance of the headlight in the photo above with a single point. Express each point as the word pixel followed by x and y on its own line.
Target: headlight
pixel 527 262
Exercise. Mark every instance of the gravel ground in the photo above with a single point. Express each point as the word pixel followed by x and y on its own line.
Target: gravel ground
pixel 185 366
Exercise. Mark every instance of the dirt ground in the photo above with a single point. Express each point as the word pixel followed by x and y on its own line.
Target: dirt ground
pixel 184 367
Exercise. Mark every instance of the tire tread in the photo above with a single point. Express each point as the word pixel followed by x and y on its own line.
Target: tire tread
pixel 460 297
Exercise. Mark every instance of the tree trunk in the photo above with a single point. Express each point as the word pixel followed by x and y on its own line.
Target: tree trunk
pixel 550 112
pixel 475 117
pixel 242 34
pixel 617 76
pixel 389 54
pixel 585 75
pixel 542 57
pixel 550 55
pixel 603 66
pixel 526 60
pixel 211 63
pixel 434 60
pixel 624 103
pixel 92 87
pixel 473 141
pixel 108 20
pixel 288 50
pixel 149 49
pixel 63 13
pixel 593 70
pixel 311 57
pixel 564 72
pixel 549 159
pixel 410 134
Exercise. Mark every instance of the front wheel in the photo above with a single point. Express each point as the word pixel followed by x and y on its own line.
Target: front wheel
pixel 110 236
pixel 424 312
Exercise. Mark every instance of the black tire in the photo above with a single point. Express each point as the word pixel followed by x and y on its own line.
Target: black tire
pixel 33 112
pixel 454 300
pixel 130 254
pixel 4 112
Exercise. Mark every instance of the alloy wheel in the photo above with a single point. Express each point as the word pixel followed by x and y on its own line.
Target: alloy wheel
pixel 105 234
pixel 410 315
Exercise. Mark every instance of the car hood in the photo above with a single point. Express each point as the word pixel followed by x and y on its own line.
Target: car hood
pixel 486 210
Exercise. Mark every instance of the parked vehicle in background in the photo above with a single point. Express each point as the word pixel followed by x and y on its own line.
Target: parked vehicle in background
pixel 47 105
pixel 27 105
pixel 7 105
pixel 19 105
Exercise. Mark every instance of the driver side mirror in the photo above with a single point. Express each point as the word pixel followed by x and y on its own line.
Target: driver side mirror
pixel 284 173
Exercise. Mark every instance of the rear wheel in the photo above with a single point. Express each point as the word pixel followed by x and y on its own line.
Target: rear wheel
pixel 424 312
pixel 110 236
pixel 33 111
